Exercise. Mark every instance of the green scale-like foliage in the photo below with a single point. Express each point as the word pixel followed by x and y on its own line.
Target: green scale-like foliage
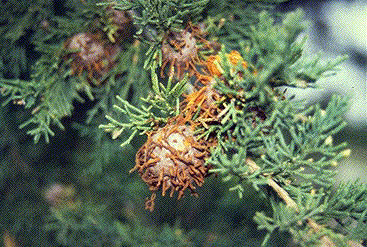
pixel 276 153
pixel 276 142
pixel 53 88
pixel 21 21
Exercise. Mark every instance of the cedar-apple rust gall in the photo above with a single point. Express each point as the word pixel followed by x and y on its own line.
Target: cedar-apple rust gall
pixel 90 54
pixel 172 159
pixel 182 51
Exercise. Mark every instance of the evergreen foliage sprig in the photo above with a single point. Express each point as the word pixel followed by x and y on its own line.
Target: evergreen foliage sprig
pixel 155 18
pixel 230 21
pixel 54 87
pixel 271 141
pixel 93 225
pixel 223 108
pixel 18 21
pixel 162 105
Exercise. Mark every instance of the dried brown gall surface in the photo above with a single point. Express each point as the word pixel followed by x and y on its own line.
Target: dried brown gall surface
pixel 92 54
pixel 172 159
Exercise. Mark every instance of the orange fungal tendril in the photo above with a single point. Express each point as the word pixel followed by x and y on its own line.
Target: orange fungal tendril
pixel 214 61
pixel 173 157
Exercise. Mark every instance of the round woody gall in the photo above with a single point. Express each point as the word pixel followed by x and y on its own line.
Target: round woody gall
pixel 182 51
pixel 172 158
pixel 91 54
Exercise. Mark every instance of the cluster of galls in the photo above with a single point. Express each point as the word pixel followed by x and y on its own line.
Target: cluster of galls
pixel 96 52
pixel 174 156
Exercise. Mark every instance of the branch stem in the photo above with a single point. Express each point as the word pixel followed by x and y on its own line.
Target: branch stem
pixel 283 194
